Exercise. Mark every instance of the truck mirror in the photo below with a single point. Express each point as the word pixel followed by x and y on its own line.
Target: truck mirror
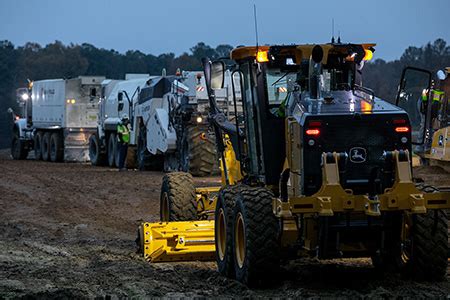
pixel 120 96
pixel 441 75
pixel 120 108
pixel 217 75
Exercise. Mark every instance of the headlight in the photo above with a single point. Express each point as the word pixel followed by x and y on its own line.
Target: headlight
pixel 199 119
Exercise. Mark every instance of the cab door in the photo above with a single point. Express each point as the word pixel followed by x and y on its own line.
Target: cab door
pixel 413 96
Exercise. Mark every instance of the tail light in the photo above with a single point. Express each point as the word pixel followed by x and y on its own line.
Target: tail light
pixel 313 132
pixel 402 129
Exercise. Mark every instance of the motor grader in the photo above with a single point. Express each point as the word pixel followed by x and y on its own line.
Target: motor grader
pixel 316 165
pixel 431 111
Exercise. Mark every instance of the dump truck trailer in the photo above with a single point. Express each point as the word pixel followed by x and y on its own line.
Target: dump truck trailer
pixel 59 116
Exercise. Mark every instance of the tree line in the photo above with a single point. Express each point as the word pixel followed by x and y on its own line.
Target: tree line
pixel 56 60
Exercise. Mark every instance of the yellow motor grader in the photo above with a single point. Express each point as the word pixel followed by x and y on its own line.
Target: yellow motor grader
pixel 316 165
pixel 432 113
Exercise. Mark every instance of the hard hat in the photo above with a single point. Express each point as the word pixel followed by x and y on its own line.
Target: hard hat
pixel 124 117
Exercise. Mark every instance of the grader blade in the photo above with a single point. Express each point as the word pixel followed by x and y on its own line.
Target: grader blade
pixel 177 241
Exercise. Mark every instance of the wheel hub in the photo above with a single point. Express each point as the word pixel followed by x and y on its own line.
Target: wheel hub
pixel 221 235
pixel 239 247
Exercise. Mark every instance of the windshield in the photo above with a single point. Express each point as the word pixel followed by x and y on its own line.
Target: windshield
pixel 278 84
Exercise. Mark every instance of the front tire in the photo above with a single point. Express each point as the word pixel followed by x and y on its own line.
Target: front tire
pixel 178 198
pixel 255 236
pixel 18 150
pixel 112 147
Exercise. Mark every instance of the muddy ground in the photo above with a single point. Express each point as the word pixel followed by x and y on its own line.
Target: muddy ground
pixel 68 230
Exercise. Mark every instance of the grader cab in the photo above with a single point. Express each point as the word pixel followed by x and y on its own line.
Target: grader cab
pixel 317 165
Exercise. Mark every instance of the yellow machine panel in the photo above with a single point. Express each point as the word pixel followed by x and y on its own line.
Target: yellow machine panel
pixel 440 148
pixel 177 241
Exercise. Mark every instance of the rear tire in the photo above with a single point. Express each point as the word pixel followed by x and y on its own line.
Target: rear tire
pixel 56 147
pixel 112 146
pixel 38 146
pixel 255 236
pixel 417 244
pixel 178 198
pixel 96 155
pixel 199 151
pixel 45 146
pixel 429 250
pixel 223 233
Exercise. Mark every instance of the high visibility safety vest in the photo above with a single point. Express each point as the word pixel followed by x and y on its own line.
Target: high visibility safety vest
pixel 437 95
pixel 123 133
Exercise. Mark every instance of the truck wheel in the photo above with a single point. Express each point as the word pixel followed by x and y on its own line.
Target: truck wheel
pixel 45 146
pixel 96 155
pixel 199 152
pixel 178 198
pixel 112 146
pixel 255 236
pixel 38 146
pixel 56 147
pixel 424 240
pixel 18 151
pixel 223 230
pixel 417 245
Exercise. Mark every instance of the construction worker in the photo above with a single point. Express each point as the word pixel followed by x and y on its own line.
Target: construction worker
pixel 123 136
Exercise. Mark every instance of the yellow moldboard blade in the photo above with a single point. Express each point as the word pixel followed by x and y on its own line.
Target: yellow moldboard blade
pixel 178 241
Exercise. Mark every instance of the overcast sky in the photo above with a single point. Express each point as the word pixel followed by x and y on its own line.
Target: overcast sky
pixel 176 25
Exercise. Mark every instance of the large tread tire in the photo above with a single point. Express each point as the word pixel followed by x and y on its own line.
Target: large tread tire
pixel 112 147
pixel 429 246
pixel 223 226
pixel 45 146
pixel 56 147
pixel 178 198
pixel 38 145
pixel 201 151
pixel 255 237
pixel 18 149
pixel 96 155
pixel 426 248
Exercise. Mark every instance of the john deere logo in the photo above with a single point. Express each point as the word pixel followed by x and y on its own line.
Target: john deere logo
pixel 358 155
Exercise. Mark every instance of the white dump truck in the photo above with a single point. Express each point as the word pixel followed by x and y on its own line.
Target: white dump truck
pixel 168 116
pixel 58 118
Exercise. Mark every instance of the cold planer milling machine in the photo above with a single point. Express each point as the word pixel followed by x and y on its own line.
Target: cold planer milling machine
pixel 316 165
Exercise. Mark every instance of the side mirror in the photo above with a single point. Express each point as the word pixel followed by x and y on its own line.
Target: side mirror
pixel 120 108
pixel 441 75
pixel 120 96
pixel 214 74
pixel 120 100
pixel 217 75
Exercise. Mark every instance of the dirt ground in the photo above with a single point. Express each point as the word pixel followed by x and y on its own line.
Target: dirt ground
pixel 68 230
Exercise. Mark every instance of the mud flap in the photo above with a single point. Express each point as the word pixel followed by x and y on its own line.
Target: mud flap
pixel 178 241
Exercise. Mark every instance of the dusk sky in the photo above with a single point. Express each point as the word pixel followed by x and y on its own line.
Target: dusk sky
pixel 174 26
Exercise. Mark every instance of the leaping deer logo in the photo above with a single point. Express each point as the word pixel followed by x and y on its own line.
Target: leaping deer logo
pixel 358 155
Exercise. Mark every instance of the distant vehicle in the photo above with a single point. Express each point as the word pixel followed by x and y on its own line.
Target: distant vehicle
pixel 58 117
pixel 168 116
pixel 427 103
